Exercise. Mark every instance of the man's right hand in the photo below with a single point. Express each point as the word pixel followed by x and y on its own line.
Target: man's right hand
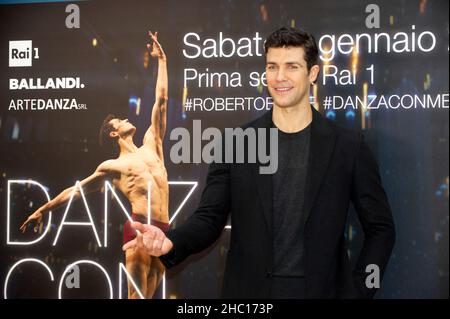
pixel 155 48
pixel 150 238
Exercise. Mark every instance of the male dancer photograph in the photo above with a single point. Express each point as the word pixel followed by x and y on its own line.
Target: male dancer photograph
pixel 132 172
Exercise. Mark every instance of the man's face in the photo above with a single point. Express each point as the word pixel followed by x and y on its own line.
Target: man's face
pixel 122 127
pixel 288 79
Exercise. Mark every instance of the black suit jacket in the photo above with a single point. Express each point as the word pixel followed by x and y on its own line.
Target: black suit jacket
pixel 341 170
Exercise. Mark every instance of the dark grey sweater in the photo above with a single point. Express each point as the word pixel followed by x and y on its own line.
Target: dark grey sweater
pixel 289 184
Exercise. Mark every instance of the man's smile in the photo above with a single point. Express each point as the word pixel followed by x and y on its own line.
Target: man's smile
pixel 283 89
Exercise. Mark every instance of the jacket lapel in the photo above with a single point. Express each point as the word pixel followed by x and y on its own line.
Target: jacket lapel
pixel 264 181
pixel 322 142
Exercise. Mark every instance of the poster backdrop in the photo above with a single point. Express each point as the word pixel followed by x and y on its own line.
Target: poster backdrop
pixel 389 79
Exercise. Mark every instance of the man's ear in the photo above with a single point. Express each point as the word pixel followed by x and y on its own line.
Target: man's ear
pixel 313 73
pixel 113 134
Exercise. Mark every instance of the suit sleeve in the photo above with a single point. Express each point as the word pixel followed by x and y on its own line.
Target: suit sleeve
pixel 372 206
pixel 206 224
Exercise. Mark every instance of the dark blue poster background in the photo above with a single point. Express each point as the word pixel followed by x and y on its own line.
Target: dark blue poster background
pixel 389 82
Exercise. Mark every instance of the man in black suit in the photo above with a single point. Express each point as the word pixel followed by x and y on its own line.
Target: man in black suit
pixel 287 236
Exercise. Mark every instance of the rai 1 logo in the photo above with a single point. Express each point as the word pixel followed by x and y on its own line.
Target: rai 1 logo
pixel 22 53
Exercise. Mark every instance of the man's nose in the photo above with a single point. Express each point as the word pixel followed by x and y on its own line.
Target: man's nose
pixel 281 75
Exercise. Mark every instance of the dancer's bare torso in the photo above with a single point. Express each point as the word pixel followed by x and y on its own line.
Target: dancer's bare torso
pixel 131 174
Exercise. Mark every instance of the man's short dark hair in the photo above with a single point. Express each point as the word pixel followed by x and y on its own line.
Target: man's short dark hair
pixel 293 37
pixel 103 137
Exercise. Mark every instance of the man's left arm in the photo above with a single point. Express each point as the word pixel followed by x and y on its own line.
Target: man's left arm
pixel 371 203
pixel 157 128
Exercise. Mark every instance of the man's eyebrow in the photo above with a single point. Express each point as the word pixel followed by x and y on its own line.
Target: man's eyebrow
pixel 289 62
